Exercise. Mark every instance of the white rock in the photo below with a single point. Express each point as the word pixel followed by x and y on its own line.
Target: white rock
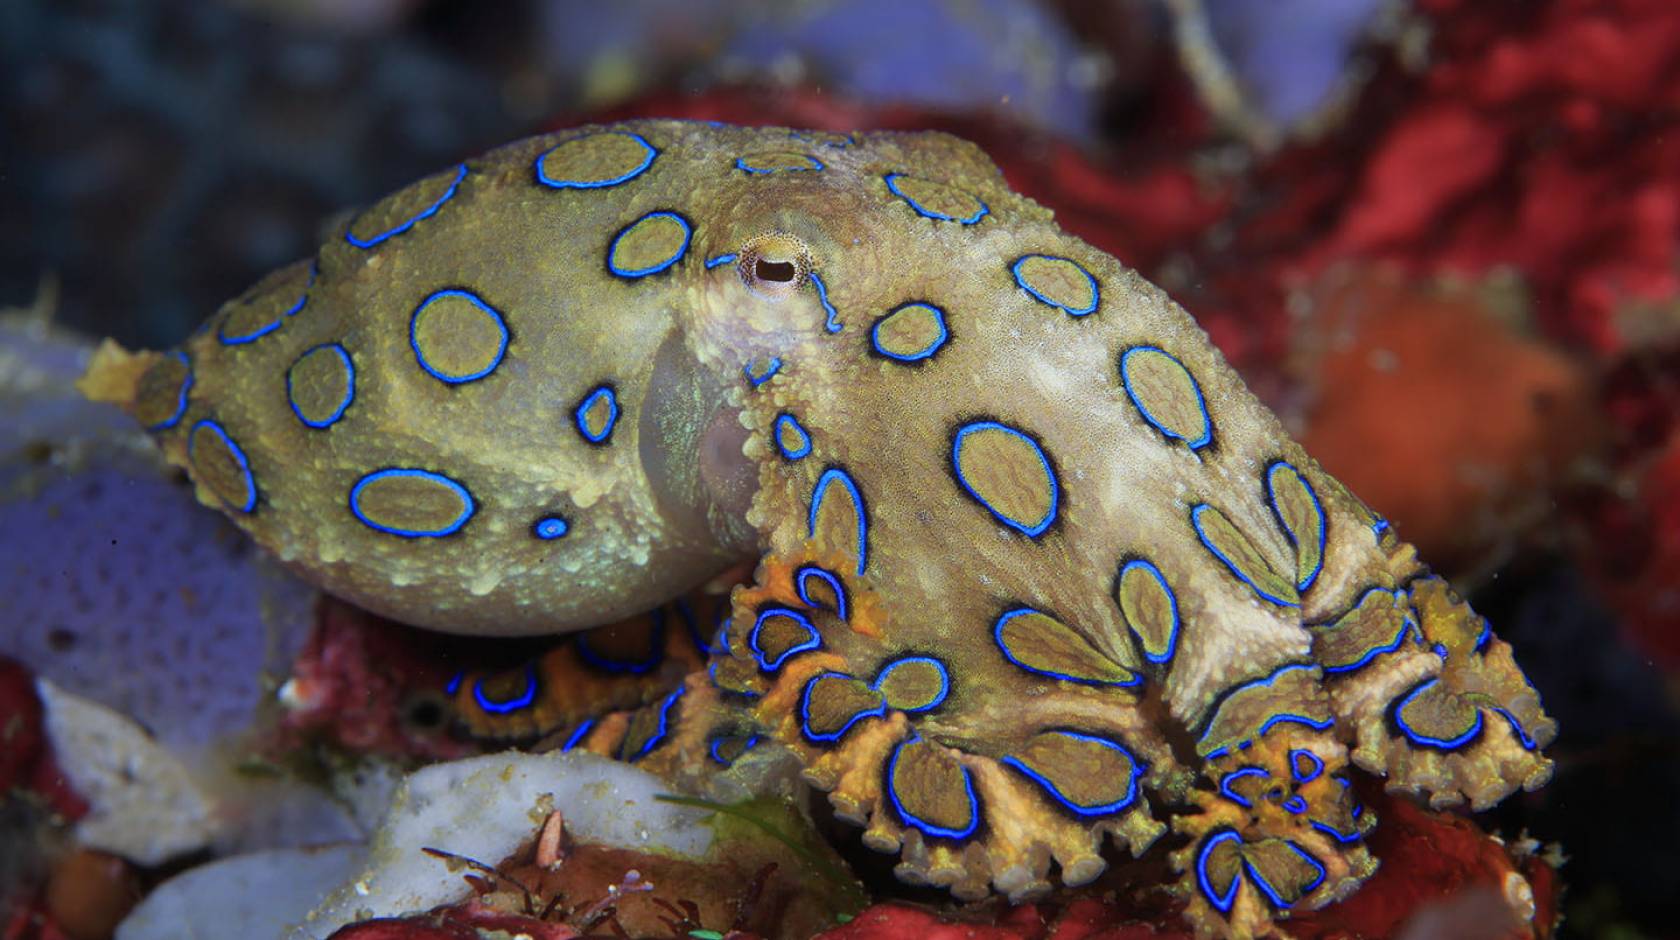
pixel 484 807
pixel 144 804
pixel 260 896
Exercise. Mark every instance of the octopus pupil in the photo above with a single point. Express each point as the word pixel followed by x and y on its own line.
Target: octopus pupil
pixel 782 271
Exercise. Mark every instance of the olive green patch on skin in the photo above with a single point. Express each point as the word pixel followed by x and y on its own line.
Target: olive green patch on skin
pixel 833 700
pixel 1148 610
pixel 1302 519
pixel 648 243
pixel 158 397
pixel 932 787
pixel 1044 644
pixel 1060 281
pixel 1168 392
pixel 912 685
pixel 318 384
pixel 593 160
pixel 410 503
pixel 457 338
pixel 1242 558
pixel 1005 471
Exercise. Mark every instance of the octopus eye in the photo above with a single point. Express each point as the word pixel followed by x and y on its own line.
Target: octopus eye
pixel 774 265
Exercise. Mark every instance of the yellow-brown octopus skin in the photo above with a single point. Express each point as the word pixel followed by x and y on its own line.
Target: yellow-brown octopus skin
pixel 1035 569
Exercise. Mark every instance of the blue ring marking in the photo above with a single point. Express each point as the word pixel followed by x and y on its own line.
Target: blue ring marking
pixel 1101 809
pixel 1021 282
pixel 784 422
pixel 822 574
pixel 454 684
pixel 1527 742
pixel 1296 804
pixel 1031 530
pixel 1206 437
pixel 831 321
pixel 944 681
pixel 577 736
pixel 468 506
pixel 1172 603
pixel 774 366
pixel 820 492
pixel 814 640
pixel 1289 718
pixel 550 527
pixel 1240 773
pixel 879 711
pixel 892 185
pixel 625 177
pixel 1418 737
pixel 742 165
pixel 476 301
pixel 1196 523
pixel 271 326
pixel 633 273
pixel 719 261
pixel 1220 904
pixel 927 828
pixel 658 736
pixel 1371 654
pixel 1271 892
pixel 1301 584
pixel 1440 649
pixel 521 701
pixel 401 227
pixel 349 386
pixel 634 667
pixel 1275 719
pixel 1345 838
pixel 712 748
pixel 920 355
pixel 1314 762
pixel 1483 637
pixel 997 637
pixel 239 458
pixel 181 396
pixel 582 422
pixel 1379 527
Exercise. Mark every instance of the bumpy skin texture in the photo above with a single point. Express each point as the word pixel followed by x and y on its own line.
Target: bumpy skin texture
pixel 1035 568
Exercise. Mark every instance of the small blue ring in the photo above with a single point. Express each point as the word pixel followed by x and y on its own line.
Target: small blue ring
pixel 657 267
pixel 521 701
pixel 349 386
pixel 579 415
pixel 468 506
pixel 638 170
pixel 471 298
pixel 422 215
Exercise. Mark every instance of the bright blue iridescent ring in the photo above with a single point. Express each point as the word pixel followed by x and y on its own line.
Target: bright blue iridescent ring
pixel 1302 758
pixel 625 177
pixel 1096 289
pixel 270 326
pixel 656 267
pixel 831 317
pixel 1221 902
pixel 577 736
pixel 549 528
pixel 997 637
pixel 1417 737
pixel 1203 439
pixel 520 701
pixel 934 344
pixel 812 164
pixel 755 379
pixel 349 386
pixel 928 828
pixel 411 221
pixel 468 506
pixel 937 700
pixel 1082 809
pixel 1160 579
pixel 718 261
pixel 812 640
pixel 1271 893
pixel 787 426
pixel 239 459
pixel 921 210
pixel 1241 773
pixel 834 476
pixel 1231 565
pixel 801 579
pixel 1032 528
pixel 879 711
pixel 633 667
pixel 658 735
pixel 180 396
pixel 492 313
pixel 581 415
